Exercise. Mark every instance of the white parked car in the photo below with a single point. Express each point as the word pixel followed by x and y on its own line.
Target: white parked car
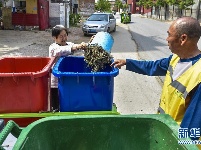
pixel 98 22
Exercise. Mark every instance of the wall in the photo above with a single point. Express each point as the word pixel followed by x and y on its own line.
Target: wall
pixel 54 13
pixel 9 3
pixel 86 7
pixel 7 17
pixel 31 6
pixel 62 14
pixel 57 14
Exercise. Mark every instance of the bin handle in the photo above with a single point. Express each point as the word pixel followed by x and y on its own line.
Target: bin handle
pixel 32 77
pixel 11 127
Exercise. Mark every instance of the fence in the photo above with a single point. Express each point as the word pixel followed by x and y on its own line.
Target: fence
pixel 172 13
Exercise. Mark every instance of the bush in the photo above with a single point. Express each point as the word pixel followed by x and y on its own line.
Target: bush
pixel 74 19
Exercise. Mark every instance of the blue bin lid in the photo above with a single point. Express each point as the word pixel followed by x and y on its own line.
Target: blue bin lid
pixel 56 72
pixel 103 39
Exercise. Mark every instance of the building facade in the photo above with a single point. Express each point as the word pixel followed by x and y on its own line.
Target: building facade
pixel 44 13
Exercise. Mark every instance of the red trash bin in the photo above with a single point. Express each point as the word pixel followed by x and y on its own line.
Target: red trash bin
pixel 24 84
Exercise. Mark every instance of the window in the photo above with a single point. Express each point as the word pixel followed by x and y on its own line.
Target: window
pixel 111 16
pixel 22 4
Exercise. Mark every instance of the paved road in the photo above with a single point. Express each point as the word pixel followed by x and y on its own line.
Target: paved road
pixel 150 36
pixel 133 93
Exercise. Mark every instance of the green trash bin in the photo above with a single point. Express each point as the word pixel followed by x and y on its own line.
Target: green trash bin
pixel 125 18
pixel 122 17
pixel 104 132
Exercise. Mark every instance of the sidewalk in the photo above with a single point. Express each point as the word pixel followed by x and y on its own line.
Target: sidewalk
pixel 129 91
pixel 33 43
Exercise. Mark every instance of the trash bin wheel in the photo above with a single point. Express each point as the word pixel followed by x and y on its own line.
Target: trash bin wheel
pixel 114 29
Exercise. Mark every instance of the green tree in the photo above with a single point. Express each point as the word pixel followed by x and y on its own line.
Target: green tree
pixel 118 4
pixel 181 4
pixel 125 7
pixel 146 4
pixel 159 4
pixel 103 5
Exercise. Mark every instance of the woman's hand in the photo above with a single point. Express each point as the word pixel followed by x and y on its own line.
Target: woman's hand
pixel 83 45
pixel 75 47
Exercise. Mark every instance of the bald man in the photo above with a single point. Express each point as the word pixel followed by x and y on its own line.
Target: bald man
pixel 181 94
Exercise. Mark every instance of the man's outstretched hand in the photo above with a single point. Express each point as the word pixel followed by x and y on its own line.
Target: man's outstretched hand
pixel 119 63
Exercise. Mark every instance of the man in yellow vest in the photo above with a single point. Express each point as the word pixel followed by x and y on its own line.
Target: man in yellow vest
pixel 181 94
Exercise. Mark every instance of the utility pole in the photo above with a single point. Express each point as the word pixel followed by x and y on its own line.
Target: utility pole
pixel 65 14
pixel 66 4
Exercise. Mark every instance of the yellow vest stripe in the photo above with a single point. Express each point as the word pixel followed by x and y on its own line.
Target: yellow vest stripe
pixel 160 110
pixel 177 85
pixel 170 69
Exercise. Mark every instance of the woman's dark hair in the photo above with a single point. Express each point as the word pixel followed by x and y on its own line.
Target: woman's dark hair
pixel 56 30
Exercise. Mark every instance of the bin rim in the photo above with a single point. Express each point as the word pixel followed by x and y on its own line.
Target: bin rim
pixel 57 73
pixel 37 74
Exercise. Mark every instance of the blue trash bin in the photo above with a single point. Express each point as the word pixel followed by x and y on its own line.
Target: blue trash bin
pixel 80 89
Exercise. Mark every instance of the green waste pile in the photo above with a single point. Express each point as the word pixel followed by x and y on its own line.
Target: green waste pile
pixel 96 57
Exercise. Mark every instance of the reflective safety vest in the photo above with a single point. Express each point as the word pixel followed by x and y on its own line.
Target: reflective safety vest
pixel 175 94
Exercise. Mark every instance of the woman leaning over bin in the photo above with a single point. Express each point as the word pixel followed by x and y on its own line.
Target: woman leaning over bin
pixel 60 48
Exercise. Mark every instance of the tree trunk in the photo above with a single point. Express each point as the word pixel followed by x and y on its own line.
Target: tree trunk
pixel 198 11
pixel 165 9
pixel 172 12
